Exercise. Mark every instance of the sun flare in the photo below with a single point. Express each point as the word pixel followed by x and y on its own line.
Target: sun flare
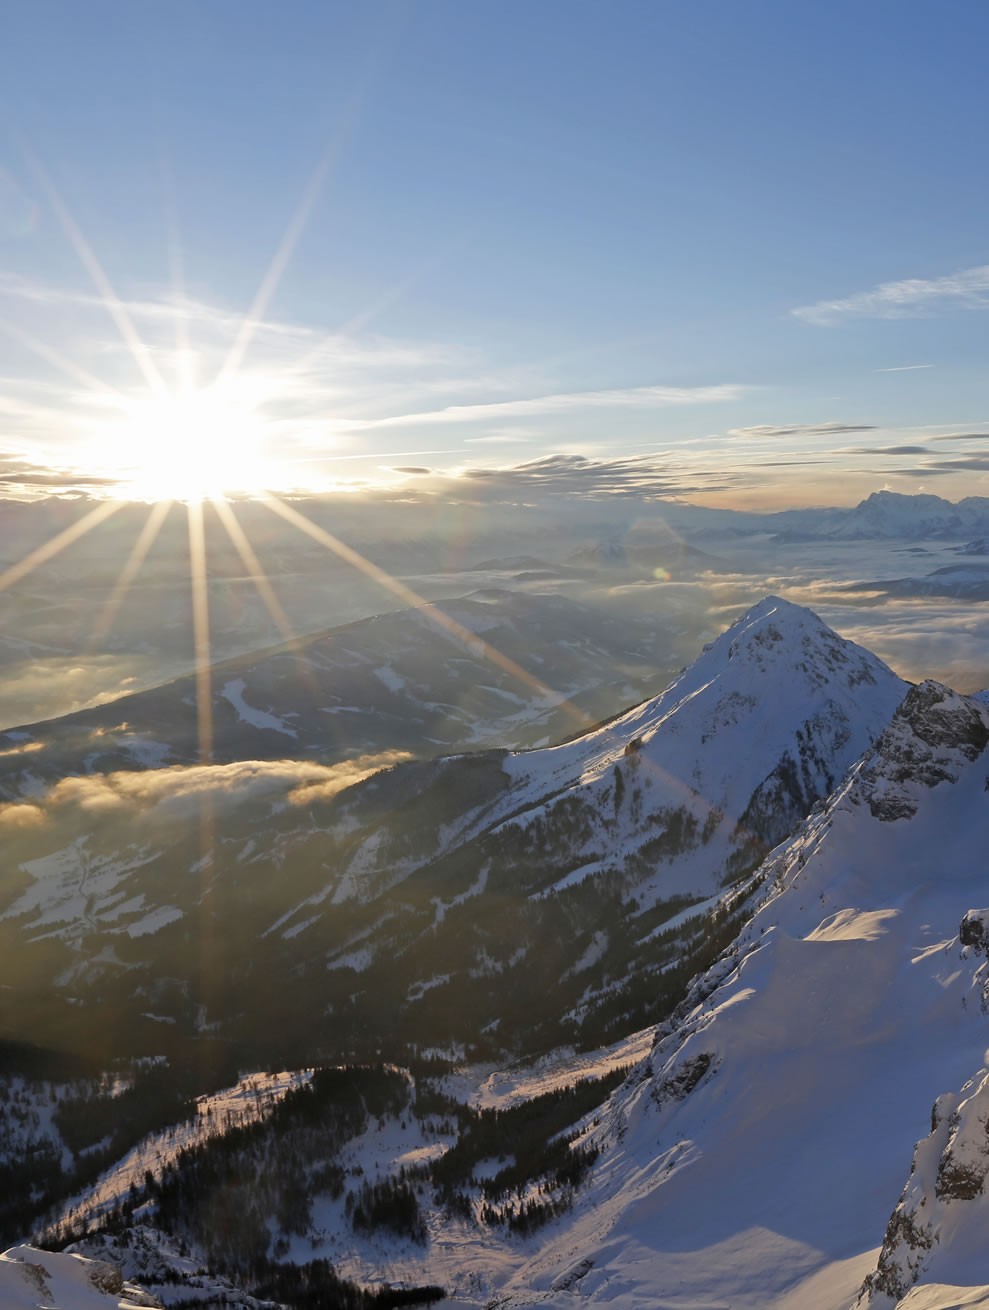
pixel 190 446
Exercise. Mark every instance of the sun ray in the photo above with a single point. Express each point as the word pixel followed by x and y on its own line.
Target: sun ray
pixel 129 572
pixel 177 267
pixel 265 590
pixel 361 319
pixel 463 636
pixel 58 543
pixel 271 279
pixel 257 574
pixel 200 630
pixel 111 301
pixel 51 356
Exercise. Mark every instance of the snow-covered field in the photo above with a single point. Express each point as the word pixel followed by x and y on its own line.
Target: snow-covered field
pixel 488 1088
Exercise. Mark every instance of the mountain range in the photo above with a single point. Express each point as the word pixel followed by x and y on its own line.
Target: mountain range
pixel 432 899
pixel 772 869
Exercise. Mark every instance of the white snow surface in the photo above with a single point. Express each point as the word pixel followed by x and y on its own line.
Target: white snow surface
pixel 755 1158
pixel 233 691
pixel 44 1280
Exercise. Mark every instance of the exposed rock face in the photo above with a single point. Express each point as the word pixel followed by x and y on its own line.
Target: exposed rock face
pixel 973 931
pixel 681 1081
pixel 105 1277
pixel 933 734
pixel 945 1192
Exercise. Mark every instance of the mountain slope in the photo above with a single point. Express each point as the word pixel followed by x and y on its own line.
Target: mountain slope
pixel 398 682
pixel 544 896
pixel 755 1158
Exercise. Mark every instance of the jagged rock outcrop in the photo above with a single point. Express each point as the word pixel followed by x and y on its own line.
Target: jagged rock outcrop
pixel 973 931
pixel 943 1202
pixel 933 734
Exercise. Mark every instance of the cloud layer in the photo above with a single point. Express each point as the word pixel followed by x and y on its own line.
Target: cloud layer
pixel 176 794
pixel 801 430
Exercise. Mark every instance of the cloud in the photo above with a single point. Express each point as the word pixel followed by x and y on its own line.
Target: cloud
pixel 510 436
pixel 345 775
pixel 15 816
pixel 657 397
pixel 74 398
pixel 909 298
pixel 42 476
pixel 801 430
pixel 976 462
pixel 904 368
pixel 410 468
pixel 962 436
pixel 646 476
pixel 924 472
pixel 887 450
pixel 177 793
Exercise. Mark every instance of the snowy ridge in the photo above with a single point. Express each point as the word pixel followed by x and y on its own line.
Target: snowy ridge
pixel 41 1280
pixel 754 1159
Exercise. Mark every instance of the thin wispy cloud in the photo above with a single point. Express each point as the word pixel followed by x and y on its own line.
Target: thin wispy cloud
pixel 511 436
pixel 801 429
pixel 885 450
pixel 647 477
pixel 656 397
pixel 968 463
pixel 908 298
pixel 904 368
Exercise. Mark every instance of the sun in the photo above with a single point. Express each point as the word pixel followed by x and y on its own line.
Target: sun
pixel 189 446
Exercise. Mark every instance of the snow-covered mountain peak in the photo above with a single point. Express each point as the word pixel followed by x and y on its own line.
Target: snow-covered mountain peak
pixel 699 783
pixel 777 635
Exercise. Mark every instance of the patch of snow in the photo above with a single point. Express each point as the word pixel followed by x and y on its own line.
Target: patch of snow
pixel 154 922
pixel 390 679
pixel 233 691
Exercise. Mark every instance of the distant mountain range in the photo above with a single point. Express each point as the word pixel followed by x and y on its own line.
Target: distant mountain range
pixel 888 516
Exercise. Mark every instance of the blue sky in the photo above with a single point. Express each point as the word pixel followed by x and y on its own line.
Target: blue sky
pixel 745 238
